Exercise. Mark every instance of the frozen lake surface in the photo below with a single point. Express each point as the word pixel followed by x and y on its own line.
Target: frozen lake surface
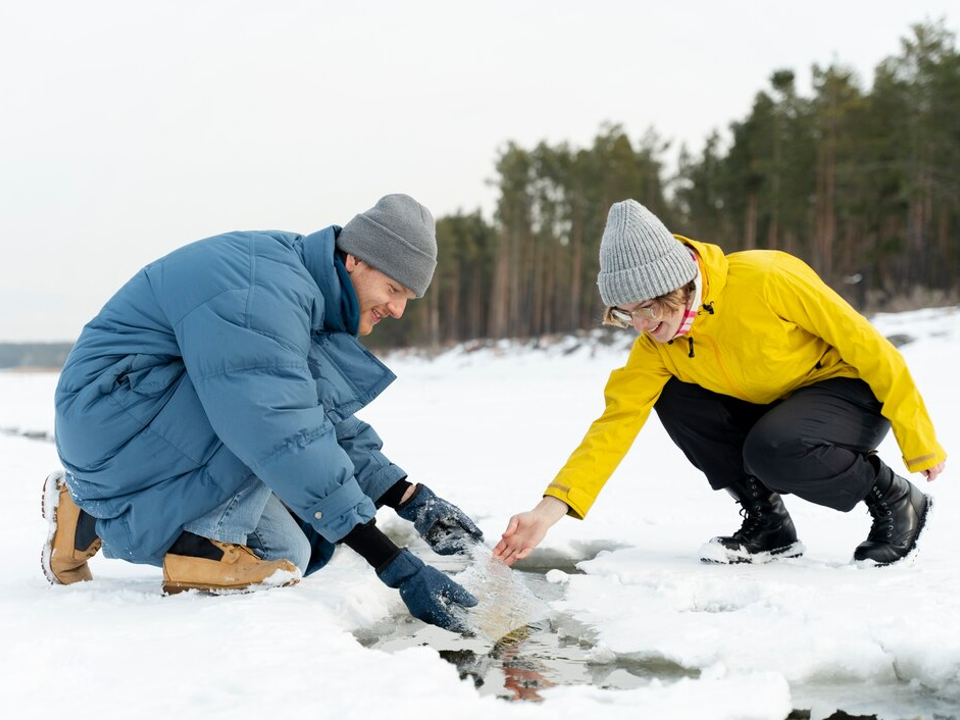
pixel 633 624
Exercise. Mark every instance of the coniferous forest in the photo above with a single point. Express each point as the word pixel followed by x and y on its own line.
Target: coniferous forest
pixel 861 183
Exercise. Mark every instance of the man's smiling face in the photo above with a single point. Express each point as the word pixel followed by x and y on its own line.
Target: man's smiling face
pixel 378 295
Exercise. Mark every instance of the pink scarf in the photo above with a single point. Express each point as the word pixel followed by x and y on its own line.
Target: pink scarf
pixel 690 313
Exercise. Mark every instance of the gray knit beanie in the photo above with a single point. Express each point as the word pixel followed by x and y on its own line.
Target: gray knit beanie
pixel 398 237
pixel 639 258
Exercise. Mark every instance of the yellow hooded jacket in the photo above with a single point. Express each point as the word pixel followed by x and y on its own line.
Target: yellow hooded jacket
pixel 775 326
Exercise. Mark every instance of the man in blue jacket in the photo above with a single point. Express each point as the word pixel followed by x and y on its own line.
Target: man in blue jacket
pixel 205 418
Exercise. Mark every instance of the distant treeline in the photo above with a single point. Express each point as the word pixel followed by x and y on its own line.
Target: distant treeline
pixel 862 184
pixel 33 355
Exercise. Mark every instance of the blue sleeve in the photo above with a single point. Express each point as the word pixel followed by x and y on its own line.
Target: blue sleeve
pixel 374 472
pixel 250 371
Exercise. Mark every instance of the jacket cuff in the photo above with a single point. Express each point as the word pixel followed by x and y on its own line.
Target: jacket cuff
pixel 577 500
pixel 925 462
pixel 341 511
pixel 381 481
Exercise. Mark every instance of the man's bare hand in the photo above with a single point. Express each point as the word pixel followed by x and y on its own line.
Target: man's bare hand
pixel 525 531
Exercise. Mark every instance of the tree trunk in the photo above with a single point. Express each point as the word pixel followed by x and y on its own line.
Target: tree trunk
pixel 750 231
pixel 500 293
pixel 576 264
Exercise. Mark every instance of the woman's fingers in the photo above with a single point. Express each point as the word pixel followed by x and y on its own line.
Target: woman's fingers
pixel 504 547
pixel 932 473
pixel 512 526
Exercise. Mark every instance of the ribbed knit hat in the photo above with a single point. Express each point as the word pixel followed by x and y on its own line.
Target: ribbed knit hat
pixel 398 237
pixel 639 258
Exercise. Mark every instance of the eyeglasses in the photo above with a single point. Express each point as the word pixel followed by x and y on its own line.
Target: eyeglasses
pixel 619 317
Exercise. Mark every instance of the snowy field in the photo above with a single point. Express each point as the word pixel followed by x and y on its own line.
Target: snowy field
pixel 488 429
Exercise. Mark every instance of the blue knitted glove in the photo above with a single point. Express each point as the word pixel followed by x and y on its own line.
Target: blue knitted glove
pixel 443 525
pixel 427 592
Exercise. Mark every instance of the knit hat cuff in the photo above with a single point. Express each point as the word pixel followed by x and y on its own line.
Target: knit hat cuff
pixel 645 282
pixel 390 253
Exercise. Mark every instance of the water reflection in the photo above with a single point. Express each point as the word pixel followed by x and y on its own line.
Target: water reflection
pixel 550 653
pixel 522 676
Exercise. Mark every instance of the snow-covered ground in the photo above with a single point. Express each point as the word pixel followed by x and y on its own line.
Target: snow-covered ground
pixel 488 429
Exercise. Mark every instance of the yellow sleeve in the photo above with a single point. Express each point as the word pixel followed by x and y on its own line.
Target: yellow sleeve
pixel 798 294
pixel 630 394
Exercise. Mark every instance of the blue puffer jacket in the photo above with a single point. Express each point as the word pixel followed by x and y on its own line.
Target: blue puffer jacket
pixel 231 357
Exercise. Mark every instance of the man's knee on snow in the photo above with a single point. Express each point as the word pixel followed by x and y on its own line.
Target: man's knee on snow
pixel 299 551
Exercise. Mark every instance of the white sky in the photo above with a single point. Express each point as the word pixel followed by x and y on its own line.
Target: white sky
pixel 130 128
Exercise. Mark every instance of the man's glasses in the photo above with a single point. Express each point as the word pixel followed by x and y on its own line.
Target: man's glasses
pixel 619 317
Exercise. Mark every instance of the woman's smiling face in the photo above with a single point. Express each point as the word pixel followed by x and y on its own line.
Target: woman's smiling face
pixel 662 330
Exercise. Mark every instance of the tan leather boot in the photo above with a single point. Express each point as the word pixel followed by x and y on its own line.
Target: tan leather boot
pixel 71 538
pixel 237 568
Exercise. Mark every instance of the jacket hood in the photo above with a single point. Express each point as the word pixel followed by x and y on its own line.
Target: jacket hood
pixel 713 265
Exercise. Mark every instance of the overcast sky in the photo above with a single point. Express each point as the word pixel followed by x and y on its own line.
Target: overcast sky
pixel 128 128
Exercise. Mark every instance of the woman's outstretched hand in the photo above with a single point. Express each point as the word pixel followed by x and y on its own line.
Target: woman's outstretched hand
pixel 931 473
pixel 525 531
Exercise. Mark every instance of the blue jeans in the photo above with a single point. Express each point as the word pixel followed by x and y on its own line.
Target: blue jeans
pixel 255 517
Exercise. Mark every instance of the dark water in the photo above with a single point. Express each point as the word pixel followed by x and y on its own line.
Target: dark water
pixel 550 652
pixel 541 656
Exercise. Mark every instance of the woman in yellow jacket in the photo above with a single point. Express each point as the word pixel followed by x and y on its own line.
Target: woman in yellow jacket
pixel 767 380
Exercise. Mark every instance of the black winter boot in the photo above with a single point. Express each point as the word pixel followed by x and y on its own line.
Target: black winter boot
pixel 767 532
pixel 899 512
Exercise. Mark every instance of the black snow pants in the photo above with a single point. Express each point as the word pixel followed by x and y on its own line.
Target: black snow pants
pixel 813 444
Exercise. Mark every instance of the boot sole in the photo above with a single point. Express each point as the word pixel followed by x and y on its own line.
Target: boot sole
pixel 914 550
pixel 174 589
pixel 49 501
pixel 716 554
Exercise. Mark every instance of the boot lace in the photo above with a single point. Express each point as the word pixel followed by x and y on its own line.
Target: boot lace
pixel 751 521
pixel 882 528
